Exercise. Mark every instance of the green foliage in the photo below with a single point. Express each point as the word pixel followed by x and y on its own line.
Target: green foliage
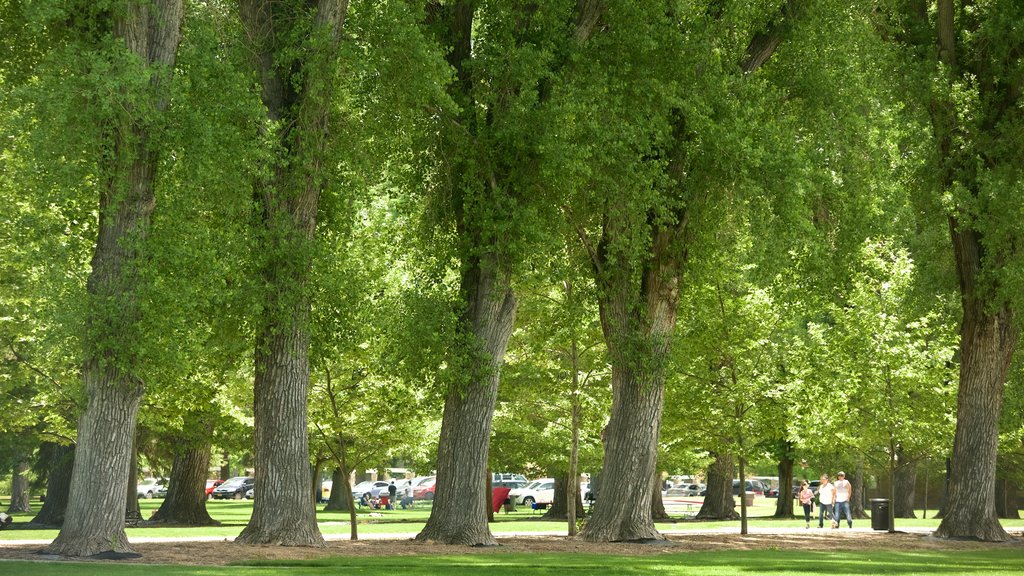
pixel 880 374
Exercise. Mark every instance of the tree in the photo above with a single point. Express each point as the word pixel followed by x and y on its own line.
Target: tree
pixel 503 59
pixel 658 184
pixel 138 41
pixel 295 59
pixel 968 81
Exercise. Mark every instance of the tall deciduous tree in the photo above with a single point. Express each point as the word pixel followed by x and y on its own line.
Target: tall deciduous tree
pixel 141 47
pixel 503 58
pixel 295 48
pixel 648 220
pixel 968 54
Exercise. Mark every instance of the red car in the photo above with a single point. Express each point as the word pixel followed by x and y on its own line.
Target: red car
pixel 210 485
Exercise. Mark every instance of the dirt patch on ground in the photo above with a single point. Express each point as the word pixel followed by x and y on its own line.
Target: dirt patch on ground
pixel 222 553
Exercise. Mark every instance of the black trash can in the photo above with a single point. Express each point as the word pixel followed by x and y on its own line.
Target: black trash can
pixel 879 513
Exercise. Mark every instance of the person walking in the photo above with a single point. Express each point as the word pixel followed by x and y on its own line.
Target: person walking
pixel 807 501
pixel 826 499
pixel 844 495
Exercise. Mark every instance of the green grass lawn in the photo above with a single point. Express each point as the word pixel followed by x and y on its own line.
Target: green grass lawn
pixel 234 514
pixel 662 564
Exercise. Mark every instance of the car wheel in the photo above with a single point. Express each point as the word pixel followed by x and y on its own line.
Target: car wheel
pixel 149 495
pixel 428 496
pixel 528 501
pixel 237 495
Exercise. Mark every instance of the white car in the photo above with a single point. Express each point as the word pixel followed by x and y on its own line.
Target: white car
pixel 149 487
pixel 374 487
pixel 537 492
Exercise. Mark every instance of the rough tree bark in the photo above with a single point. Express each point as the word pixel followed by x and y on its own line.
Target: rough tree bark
pixel 297 77
pixel 638 321
pixel 988 337
pixel 186 490
pixel 857 506
pixel 905 482
pixel 459 512
pixel 60 459
pixel 719 503
pixel 638 297
pixel 657 503
pixel 1006 500
pixel 19 490
pixel 337 502
pixel 95 514
pixel 784 504
pixel 559 509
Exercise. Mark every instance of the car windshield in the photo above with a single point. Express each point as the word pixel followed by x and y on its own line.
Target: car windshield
pixel 233 483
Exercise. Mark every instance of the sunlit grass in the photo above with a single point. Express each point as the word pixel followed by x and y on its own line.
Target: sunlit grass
pixel 660 562
pixel 234 514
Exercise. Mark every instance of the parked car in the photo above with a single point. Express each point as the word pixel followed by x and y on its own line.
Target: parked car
pixel 249 493
pixel 210 485
pixel 420 485
pixel 537 492
pixel 754 486
pixel 424 490
pixel 373 487
pixel 149 487
pixel 695 489
pixel 233 488
pixel 508 480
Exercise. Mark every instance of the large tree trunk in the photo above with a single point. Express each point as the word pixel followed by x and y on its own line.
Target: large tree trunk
pixel 19 490
pixel 131 506
pixel 657 503
pixel 297 97
pixel 60 461
pixel 784 505
pixel 1006 500
pixel 339 484
pixel 719 503
pixel 987 334
pixel 95 515
pixel 186 492
pixel 857 504
pixel 638 319
pixel 559 509
pixel 987 344
pixel 458 514
pixel 905 481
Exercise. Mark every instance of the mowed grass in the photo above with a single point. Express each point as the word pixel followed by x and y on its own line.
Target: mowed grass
pixel 663 564
pixel 234 514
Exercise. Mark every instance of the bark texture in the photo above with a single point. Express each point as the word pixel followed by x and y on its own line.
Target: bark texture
pixel 638 320
pixel 1006 500
pixel 297 77
pixel 458 514
pixel 19 490
pixel 988 337
pixel 186 490
pixel 95 516
pixel 784 505
pixel 339 483
pixel 60 462
pixel 905 481
pixel 657 503
pixel 719 503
